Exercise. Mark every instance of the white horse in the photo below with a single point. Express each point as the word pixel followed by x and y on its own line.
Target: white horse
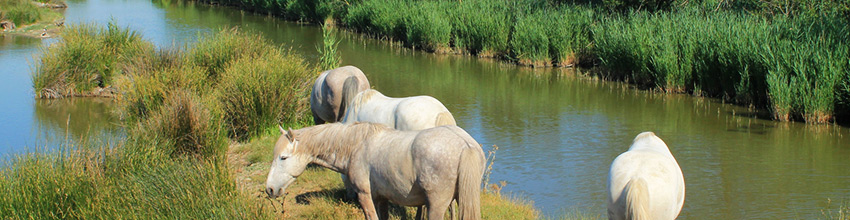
pixel 333 90
pixel 645 182
pixel 406 114
pixel 412 168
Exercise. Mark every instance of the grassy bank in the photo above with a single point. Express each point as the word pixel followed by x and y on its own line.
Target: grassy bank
pixel 201 124
pixel 33 18
pixel 319 192
pixel 789 58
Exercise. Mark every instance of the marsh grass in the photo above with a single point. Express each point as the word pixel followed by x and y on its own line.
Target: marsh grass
pixel 793 67
pixel 329 57
pixel 841 212
pixel 21 12
pixel 85 58
pixel 264 92
pixel 214 52
pixel 740 52
pixel 184 125
pixel 116 182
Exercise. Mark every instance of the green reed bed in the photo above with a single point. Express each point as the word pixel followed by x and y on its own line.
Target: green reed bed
pixel 21 12
pixel 179 105
pixel 795 66
pixel 787 57
pixel 329 57
pixel 91 184
pixel 265 92
pixel 87 57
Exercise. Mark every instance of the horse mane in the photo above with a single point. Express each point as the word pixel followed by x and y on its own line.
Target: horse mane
pixel 366 95
pixel 643 135
pixel 358 100
pixel 337 139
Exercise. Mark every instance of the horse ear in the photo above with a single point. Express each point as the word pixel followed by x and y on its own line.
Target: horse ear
pixel 281 129
pixel 292 137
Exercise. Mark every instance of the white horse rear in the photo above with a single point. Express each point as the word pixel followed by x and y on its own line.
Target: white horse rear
pixel 333 90
pixel 645 182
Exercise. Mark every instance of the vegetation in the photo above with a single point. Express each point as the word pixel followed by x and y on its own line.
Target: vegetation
pixel 788 57
pixel 842 212
pixel 319 193
pixel 181 106
pixel 329 56
pixel 29 17
pixel 86 58
pixel 120 184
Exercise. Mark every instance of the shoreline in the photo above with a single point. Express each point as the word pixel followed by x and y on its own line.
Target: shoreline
pixel 50 25
pixel 747 77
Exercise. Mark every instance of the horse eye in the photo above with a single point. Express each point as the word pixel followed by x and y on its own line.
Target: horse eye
pixel 283 157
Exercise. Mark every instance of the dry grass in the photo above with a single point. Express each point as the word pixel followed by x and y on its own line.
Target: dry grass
pixel 319 192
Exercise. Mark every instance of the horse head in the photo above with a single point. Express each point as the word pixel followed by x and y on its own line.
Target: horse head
pixel 287 164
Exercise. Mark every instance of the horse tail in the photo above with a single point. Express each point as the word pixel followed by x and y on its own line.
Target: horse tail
pixel 470 172
pixel 445 118
pixel 637 200
pixel 349 90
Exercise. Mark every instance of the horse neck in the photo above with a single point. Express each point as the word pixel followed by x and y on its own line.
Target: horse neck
pixel 332 145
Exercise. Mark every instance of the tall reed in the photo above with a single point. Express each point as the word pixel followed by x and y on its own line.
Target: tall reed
pixel 85 58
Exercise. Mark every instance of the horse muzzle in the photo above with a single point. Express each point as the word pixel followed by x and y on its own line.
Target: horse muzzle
pixel 273 193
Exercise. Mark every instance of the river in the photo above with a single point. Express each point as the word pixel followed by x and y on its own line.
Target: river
pixel 557 130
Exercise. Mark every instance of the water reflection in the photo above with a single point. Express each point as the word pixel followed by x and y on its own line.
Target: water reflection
pixel 77 119
pixel 557 130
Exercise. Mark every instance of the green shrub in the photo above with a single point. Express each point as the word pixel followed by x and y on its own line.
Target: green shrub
pixel 214 52
pixel 185 125
pixel 47 186
pixel 21 12
pixel 86 57
pixel 264 92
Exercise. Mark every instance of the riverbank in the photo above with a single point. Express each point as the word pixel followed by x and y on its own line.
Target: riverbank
pixel 791 64
pixel 39 19
pixel 200 124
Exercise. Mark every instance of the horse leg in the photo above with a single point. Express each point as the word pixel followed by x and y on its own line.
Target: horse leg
pixel 419 213
pixel 382 207
pixel 350 194
pixel 316 119
pixel 437 208
pixel 452 212
pixel 367 205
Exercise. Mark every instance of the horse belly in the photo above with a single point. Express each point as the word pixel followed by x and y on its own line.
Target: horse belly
pixel 398 188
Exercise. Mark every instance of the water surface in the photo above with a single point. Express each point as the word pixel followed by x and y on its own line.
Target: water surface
pixel 557 130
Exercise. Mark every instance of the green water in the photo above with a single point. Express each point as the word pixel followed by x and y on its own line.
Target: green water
pixel 557 130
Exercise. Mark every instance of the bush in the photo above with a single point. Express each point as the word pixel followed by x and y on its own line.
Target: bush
pixel 145 91
pixel 214 52
pixel 86 57
pixel 46 186
pixel 21 12
pixel 260 93
pixel 185 125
